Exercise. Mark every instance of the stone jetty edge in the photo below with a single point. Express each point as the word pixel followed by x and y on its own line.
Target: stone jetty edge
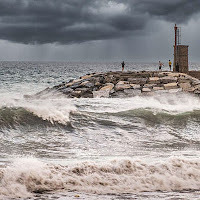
pixel 127 84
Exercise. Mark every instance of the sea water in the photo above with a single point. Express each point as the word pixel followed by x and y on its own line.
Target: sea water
pixel 144 147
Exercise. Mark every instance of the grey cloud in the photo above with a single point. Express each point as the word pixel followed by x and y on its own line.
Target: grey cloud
pixel 75 21
pixel 171 10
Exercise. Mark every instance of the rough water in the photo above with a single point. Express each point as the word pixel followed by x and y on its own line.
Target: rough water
pixel 145 147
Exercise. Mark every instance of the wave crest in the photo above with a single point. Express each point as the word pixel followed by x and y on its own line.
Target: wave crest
pixel 26 176
pixel 22 111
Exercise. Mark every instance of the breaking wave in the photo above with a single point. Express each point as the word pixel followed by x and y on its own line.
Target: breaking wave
pixel 27 176
pixel 31 111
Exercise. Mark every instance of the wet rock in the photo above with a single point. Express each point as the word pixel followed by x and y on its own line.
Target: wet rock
pixel 67 90
pixel 168 79
pixel 108 86
pixel 112 91
pixel 192 89
pixel 197 87
pixel 69 84
pixel 132 92
pixel 183 80
pixel 81 89
pixel 101 94
pixel 185 86
pixel 97 84
pixel 146 90
pixel 77 81
pixel 102 80
pixel 197 92
pixel 121 85
pixel 87 94
pixel 86 76
pixel 104 91
pixel 84 83
pixel 137 80
pixel 135 86
pixel 149 85
pixel 153 80
pixel 87 84
pixel 158 88
pixel 195 82
pixel 119 94
pixel 75 85
pixel 169 86
pixel 76 94
pixel 174 74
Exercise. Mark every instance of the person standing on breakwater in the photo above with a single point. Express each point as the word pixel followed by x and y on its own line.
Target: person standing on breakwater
pixel 160 66
pixel 123 64
pixel 170 65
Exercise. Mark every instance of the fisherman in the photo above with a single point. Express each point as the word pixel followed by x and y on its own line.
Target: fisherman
pixel 123 64
pixel 170 65
pixel 160 66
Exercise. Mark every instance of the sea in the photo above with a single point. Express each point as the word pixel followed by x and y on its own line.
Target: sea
pixel 52 147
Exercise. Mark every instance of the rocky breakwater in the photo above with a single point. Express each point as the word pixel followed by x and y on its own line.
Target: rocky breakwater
pixel 128 84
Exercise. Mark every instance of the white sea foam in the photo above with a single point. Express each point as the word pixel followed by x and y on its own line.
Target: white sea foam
pixel 52 108
pixel 28 175
pixel 170 103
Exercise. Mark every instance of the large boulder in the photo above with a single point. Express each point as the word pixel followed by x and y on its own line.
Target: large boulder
pixel 185 86
pixel 153 80
pixel 87 94
pixel 104 91
pixel 137 80
pixel 108 86
pixel 121 85
pixel 132 92
pixel 86 76
pixel 77 81
pixel 67 90
pixel 75 85
pixel 119 94
pixel 149 85
pixel 168 79
pixel 87 84
pixel 82 89
pixel 101 94
pixel 69 84
pixel 76 94
pixel 158 88
pixel 169 86
pixel 135 86
pixel 183 80
pixel 146 90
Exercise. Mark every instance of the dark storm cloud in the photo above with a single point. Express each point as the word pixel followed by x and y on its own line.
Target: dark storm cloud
pixel 172 10
pixel 74 21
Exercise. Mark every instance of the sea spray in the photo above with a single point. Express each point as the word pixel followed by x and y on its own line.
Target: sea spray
pixel 28 175
pixel 172 104
pixel 51 108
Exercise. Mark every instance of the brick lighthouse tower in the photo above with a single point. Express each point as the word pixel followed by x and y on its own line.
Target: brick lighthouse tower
pixel 180 53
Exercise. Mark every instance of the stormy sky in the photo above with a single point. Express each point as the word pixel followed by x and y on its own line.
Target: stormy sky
pixel 96 30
